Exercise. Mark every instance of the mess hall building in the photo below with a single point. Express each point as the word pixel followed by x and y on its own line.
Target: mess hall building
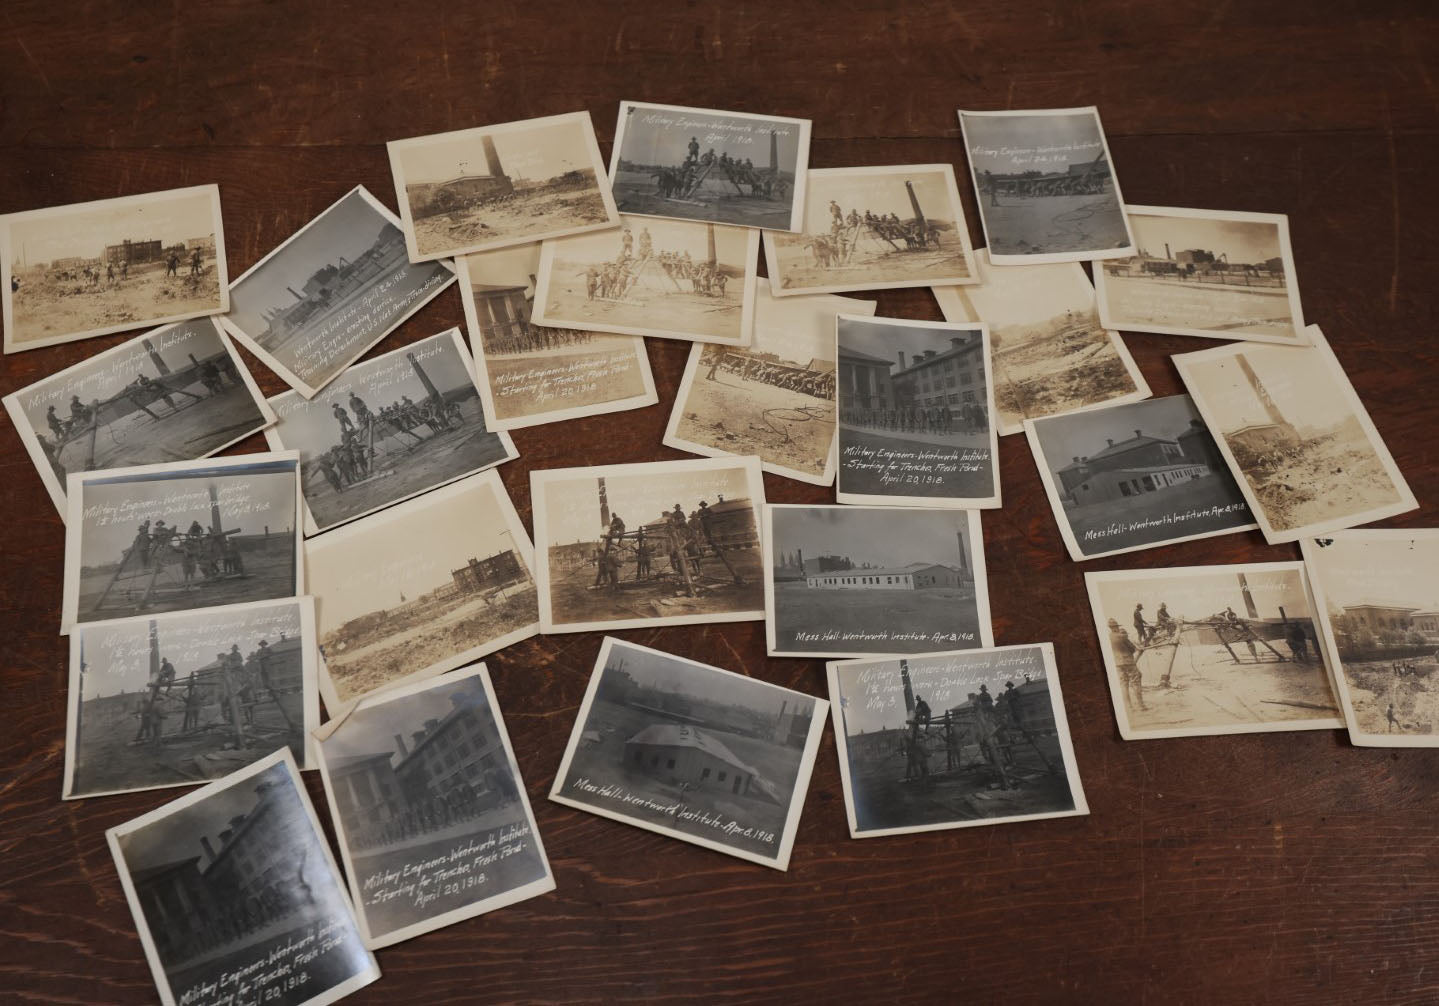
pixel 1136 466
pixel 916 576
pixel 679 753
pixel 477 574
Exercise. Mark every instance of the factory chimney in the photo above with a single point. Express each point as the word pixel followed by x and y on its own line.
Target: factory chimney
pixel 799 556
pixel 901 358
pixel 492 157
pixel 604 508
pixel 215 524
pixel 712 259
pixel 914 203
pixel 1270 409
pixel 424 378
pixel 773 153
pixel 1248 597
pixel 1166 250
pixel 154 653
pixel 908 691
pixel 160 364
pixel 400 744
pixel 963 565
pixel 209 849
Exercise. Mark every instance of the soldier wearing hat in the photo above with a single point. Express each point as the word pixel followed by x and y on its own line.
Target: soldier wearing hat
pixel 1126 663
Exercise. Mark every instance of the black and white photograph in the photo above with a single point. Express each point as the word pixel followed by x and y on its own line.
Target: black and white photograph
pixel 851 581
pixel 388 428
pixel 773 398
pixel 953 740
pixel 1200 650
pixel 428 585
pixel 71 272
pixel 330 292
pixel 704 164
pixel 1376 592
pixel 1296 437
pixel 177 393
pixel 1045 185
pixel 651 544
pixel 1128 477
pixel 916 414
pixel 692 752
pixel 530 374
pixel 236 896
pixel 670 279
pixel 187 697
pixel 874 229
pixel 1049 355
pixel 501 185
pixel 432 818
pixel 1214 274
pixel 188 534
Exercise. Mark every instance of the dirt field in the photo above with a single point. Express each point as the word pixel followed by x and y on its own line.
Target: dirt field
pixel 46 307
pixel 782 427
pixel 1326 477
pixel 542 212
pixel 635 193
pixel 1090 523
pixel 571 378
pixel 1046 225
pixel 573 598
pixel 878 475
pixel 1373 686
pixel 873 262
pixel 873 621
pixel 1211 306
pixel 649 309
pixel 1037 374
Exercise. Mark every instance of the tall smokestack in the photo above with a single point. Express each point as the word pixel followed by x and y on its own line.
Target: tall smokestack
pixel 908 691
pixel 1270 409
pixel 400 744
pixel 1166 250
pixel 963 564
pixel 160 364
pixel 782 705
pixel 914 203
pixel 424 378
pixel 799 554
pixel 604 507
pixel 773 153
pixel 293 293
pixel 492 157
pixel 154 652
pixel 901 358
pixel 209 849
pixel 712 258
pixel 215 524
pixel 1248 597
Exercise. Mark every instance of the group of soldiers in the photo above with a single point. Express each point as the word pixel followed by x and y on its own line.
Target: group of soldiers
pixel 682 538
pixel 934 419
pixel 113 276
pixel 525 337
pixel 816 384
pixel 351 460
pixel 432 812
pixel 837 247
pixel 209 553
pixel 236 682
pixel 680 182
pixel 231 916
pixel 982 721
pixel 613 280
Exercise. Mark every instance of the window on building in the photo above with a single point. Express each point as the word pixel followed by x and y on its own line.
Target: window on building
pixel 463 750
pixel 670 763
pixel 948 366
pixel 966 378
pixel 704 775
pixel 721 777
pixel 654 761
pixel 954 399
pixel 967 396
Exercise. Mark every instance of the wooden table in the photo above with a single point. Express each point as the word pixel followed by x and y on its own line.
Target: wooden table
pixel 1267 867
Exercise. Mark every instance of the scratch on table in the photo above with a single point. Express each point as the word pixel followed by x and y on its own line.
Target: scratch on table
pixel 35 63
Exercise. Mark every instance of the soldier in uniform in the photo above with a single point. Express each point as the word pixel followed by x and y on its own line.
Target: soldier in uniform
pixel 167 674
pixel 79 414
pixel 627 245
pixel 241 681
pixel 360 409
pixel 141 546
pixel 646 243
pixel 192 704
pixel 56 427
pixel 986 701
pixel 344 419
pixel 922 714
pixel 694 150
pixel 327 469
pixel 172 266
pixel 1141 627
pixel 643 552
pixel 1126 663
pixel 195 262
pixel 263 658
pixel 706 518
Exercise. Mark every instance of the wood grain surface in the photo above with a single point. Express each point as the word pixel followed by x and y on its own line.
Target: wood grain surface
pixel 1259 868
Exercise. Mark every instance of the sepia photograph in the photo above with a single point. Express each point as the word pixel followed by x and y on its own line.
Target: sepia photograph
pixel 390 428
pixel 692 752
pixel 953 740
pixel 773 398
pixel 236 897
pixel 1376 593
pixel 916 414
pixel 703 164
pixel 1218 275
pixel 187 697
pixel 1213 650
pixel 71 272
pixel 651 544
pixel 851 581
pixel 663 278
pixel 189 534
pixel 431 815
pixel 1128 477
pixel 177 393
pixel 874 229
pixel 1045 186
pixel 501 185
pixel 1296 437
pixel 1049 355
pixel 330 292
pixel 424 587
pixel 530 374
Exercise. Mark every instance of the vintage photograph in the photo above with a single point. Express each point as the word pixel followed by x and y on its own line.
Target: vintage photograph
pixel 663 278
pixel 530 374
pixel 1296 436
pixel 693 752
pixel 1049 355
pixel 501 185
pixel 236 896
pixel 431 814
pixel 651 544
pixel 843 581
pixel 177 393
pixel 1376 593
pixel 427 586
pixel 916 408
pixel 390 428
pixel 1045 186
pixel 1199 650
pixel 702 164
pixel 187 697
pixel 335 288
pixel 191 534
pixel 773 398
pixel 1221 275
pixel 1127 477
pixel 874 229
pixel 953 740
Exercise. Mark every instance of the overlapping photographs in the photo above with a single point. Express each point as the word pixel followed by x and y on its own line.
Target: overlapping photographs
pixel 693 752
pixel 773 398
pixel 953 740
pixel 236 896
pixel 183 698
pixel 702 164
pixel 192 534
pixel 330 292
pixel 1296 436
pixel 431 814
pixel 392 427
pixel 916 407
pixel 1199 650
pixel 175 394
pixel 844 581
pixel 70 272
pixel 1050 355
pixel 501 185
